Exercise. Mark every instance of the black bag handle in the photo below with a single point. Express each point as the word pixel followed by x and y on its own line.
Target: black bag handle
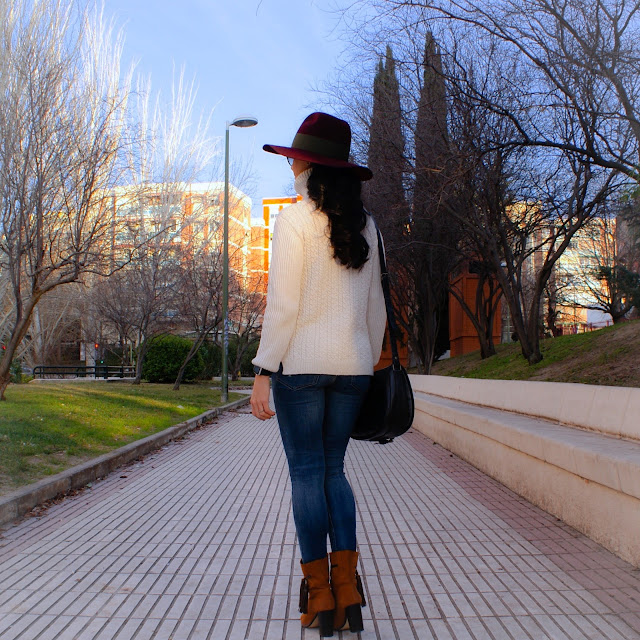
pixel 391 318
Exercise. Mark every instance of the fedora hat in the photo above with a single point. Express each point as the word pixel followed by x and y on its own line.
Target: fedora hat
pixel 322 139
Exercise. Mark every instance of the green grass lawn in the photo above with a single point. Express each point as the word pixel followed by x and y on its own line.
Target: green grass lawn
pixel 509 361
pixel 48 427
pixel 608 356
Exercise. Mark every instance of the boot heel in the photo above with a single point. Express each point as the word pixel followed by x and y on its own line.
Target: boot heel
pixel 354 616
pixel 325 623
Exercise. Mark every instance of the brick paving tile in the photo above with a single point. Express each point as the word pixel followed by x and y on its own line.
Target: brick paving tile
pixel 197 543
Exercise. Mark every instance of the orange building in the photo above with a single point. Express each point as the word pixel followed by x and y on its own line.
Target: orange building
pixel 258 258
pixel 271 207
pixel 463 337
pixel 183 218
pixel 386 356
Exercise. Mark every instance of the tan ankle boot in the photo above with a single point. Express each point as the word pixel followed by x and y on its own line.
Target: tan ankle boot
pixel 316 599
pixel 347 591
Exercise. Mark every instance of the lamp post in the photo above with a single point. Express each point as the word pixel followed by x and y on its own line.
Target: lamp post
pixel 243 122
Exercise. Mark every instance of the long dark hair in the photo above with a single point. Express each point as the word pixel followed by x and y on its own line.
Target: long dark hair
pixel 336 192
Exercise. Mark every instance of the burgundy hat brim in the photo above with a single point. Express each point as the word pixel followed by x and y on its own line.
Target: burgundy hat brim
pixel 364 173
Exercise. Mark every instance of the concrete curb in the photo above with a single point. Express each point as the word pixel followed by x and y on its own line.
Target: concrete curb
pixel 21 501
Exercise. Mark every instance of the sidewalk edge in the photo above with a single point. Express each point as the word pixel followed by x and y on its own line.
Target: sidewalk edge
pixel 19 502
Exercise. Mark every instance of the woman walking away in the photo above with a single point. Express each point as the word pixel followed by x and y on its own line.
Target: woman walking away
pixel 322 334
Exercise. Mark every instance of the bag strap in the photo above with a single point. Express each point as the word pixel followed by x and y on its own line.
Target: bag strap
pixel 391 318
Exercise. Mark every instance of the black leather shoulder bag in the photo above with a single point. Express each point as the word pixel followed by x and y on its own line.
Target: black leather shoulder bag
pixel 388 408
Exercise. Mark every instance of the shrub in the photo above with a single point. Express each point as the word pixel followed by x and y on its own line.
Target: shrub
pixel 165 356
pixel 15 372
pixel 212 355
pixel 246 366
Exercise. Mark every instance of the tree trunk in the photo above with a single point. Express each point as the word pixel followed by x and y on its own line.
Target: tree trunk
pixel 530 344
pixel 487 348
pixel 533 332
pixel 483 317
pixel 4 383
pixel 618 312
pixel 534 329
pixel 488 336
pixel 519 324
pixel 178 381
pixel 490 348
pixel 491 309
pixel 142 350
pixel 192 352
pixel 483 328
pixel 428 340
pixel 19 332
pixel 243 346
pixel 535 354
pixel 183 366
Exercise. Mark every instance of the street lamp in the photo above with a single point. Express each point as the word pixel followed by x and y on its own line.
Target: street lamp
pixel 242 122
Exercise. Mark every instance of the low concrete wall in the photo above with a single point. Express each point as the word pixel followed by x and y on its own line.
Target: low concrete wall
pixel 524 435
pixel 612 410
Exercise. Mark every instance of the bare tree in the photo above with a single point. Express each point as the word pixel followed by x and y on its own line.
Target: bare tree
pixel 482 312
pixel 170 150
pixel 524 209
pixel 113 312
pixel 578 60
pixel 61 121
pixel 595 270
pixel 434 235
pixel 247 302
pixel 149 281
pixel 199 307
pixel 6 308
pixel 55 327
pixel 199 304
pixel 541 116
pixel 400 130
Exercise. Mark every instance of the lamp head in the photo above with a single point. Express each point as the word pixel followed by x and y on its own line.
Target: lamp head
pixel 244 121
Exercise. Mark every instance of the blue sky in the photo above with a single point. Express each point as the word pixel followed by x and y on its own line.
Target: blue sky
pixel 256 57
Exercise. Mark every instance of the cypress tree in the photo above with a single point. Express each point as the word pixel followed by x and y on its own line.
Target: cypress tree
pixel 432 231
pixel 384 194
pixel 431 136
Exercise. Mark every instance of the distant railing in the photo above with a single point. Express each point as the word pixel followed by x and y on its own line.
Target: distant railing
pixel 97 371
pixel 583 327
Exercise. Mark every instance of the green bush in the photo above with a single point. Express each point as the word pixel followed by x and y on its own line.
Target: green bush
pixel 212 357
pixel 165 356
pixel 246 366
pixel 15 372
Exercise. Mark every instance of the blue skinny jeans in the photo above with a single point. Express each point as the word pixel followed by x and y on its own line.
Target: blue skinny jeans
pixel 316 414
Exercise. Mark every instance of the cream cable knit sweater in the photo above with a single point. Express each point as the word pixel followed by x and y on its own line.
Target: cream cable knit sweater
pixel 321 317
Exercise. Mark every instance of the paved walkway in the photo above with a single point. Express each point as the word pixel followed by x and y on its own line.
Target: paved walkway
pixel 197 542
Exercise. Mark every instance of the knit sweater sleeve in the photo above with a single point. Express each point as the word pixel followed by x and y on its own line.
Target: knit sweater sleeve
pixel 376 310
pixel 283 295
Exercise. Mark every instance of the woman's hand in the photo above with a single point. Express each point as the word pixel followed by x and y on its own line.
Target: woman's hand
pixel 260 399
